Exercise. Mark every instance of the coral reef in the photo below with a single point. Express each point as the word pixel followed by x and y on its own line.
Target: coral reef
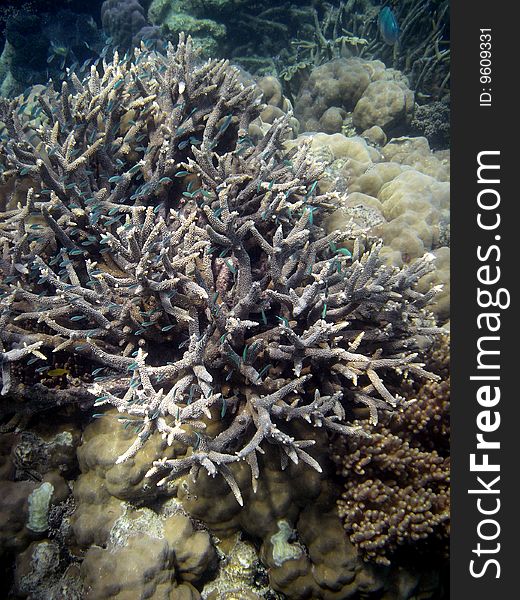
pixel 159 547
pixel 418 46
pixel 170 255
pixel 327 566
pixel 187 265
pixel 252 35
pixel 240 574
pixel 146 555
pixel 36 465
pixel 255 35
pixel 25 37
pixel 397 489
pixel 125 22
pixel 354 92
pixel 433 121
pixel 39 574
pixel 277 104
pixel 398 192
pixel 179 16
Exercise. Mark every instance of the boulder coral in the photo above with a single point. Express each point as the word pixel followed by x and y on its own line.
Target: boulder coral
pixel 348 93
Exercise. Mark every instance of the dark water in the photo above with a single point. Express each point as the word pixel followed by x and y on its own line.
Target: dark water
pixel 264 37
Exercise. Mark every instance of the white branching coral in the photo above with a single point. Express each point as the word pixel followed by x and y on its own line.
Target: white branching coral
pixel 185 262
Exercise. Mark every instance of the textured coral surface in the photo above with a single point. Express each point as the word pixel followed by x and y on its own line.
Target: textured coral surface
pixel 171 257
pixel 171 250
pixel 397 489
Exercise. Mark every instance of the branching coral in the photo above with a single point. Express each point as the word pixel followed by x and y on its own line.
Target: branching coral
pixel 186 264
pixel 397 483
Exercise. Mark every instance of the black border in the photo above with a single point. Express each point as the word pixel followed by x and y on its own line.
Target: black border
pixel 475 129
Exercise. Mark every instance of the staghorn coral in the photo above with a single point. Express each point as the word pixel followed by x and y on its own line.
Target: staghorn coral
pixel 148 234
pixel 397 484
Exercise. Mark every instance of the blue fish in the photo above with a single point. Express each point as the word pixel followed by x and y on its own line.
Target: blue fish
pixel 388 26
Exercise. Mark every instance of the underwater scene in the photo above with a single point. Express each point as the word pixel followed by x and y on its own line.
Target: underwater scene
pixel 224 299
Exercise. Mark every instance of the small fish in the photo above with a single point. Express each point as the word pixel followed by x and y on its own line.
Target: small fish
pixel 58 372
pixel 225 124
pixel 388 27
pixel 324 311
pixel 59 49
pixel 85 65
pixel 264 370
pixel 113 220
